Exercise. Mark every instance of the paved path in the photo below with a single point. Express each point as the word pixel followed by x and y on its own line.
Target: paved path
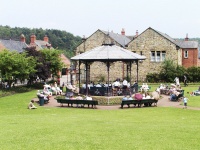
pixel 163 102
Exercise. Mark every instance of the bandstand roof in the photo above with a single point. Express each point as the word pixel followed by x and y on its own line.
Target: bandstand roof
pixel 108 52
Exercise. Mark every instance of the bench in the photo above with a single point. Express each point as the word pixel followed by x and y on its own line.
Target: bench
pixel 70 102
pixel 145 102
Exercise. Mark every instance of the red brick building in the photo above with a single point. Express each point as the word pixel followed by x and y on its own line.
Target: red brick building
pixel 190 53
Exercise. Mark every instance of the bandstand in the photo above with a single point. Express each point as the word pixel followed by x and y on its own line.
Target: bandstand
pixel 107 53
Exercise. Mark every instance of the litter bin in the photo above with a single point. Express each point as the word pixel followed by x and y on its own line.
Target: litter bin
pixel 41 101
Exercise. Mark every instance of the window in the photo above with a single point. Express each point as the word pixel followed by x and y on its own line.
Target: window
pixel 185 54
pixel 153 58
pixel 163 55
pixel 140 52
pixel 158 56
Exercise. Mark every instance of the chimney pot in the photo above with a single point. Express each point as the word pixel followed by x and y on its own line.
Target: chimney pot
pixel 123 31
pixel 22 38
pixel 33 38
pixel 186 38
pixel 136 33
pixel 46 39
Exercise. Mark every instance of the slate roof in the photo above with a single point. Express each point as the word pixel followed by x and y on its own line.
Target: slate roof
pixel 41 44
pixel 121 39
pixel 188 44
pixel 13 45
pixel 108 52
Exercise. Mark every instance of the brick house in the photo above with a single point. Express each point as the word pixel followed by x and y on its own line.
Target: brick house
pixel 40 44
pixel 190 53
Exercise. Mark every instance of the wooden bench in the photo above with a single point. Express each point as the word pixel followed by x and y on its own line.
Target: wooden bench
pixel 70 102
pixel 145 102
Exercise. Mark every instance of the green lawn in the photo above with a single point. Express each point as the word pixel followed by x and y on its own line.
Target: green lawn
pixel 72 128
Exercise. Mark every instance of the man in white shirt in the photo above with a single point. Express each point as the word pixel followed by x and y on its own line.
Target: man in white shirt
pixel 125 84
pixel 116 84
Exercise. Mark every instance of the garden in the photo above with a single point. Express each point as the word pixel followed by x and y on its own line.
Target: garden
pixel 60 128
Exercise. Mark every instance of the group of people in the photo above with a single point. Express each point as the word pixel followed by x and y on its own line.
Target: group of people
pixel 115 84
pixel 144 87
pixel 139 96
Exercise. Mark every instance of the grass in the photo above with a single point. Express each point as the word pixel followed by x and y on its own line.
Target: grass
pixel 46 128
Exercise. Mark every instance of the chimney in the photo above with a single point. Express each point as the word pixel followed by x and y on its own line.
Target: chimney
pixel 33 38
pixel 136 34
pixel 186 38
pixel 22 38
pixel 46 39
pixel 123 31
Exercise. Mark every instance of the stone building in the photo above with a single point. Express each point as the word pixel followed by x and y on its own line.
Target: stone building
pixel 155 45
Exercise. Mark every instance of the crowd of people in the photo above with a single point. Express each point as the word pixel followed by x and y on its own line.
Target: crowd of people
pixel 173 90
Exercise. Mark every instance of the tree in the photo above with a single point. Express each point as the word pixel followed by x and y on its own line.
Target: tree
pixel 168 70
pixel 14 65
pixel 53 58
pixel 42 66
pixel 193 74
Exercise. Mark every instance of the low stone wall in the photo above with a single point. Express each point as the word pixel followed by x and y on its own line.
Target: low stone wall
pixel 102 100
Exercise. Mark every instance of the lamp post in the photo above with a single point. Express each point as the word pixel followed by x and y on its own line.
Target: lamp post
pixel 71 69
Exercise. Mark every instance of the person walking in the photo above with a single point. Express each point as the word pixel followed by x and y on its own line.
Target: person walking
pixel 185 80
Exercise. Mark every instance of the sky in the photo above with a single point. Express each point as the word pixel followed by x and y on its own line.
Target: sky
pixel 83 17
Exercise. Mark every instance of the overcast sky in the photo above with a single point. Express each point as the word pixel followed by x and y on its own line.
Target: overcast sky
pixel 83 17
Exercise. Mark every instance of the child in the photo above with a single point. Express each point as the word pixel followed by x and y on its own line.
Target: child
pixel 185 99
pixel 31 105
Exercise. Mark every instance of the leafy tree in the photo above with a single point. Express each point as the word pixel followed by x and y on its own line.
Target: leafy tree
pixel 180 71
pixel 193 74
pixel 53 58
pixel 42 66
pixel 168 70
pixel 14 65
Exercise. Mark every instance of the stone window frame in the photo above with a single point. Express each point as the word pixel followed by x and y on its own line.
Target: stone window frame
pixel 186 53
pixel 157 56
